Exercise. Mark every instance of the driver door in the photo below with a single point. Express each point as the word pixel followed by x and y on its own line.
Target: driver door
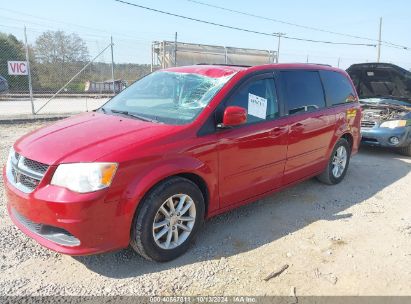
pixel 252 156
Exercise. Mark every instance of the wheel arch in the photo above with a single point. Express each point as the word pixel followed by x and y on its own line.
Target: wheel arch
pixel 349 138
pixel 193 177
pixel 340 134
pixel 189 168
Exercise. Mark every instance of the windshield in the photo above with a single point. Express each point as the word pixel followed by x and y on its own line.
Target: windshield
pixel 167 97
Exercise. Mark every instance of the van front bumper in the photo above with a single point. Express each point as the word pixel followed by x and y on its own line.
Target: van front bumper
pixel 68 222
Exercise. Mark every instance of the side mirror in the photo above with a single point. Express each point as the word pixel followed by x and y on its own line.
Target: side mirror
pixel 234 116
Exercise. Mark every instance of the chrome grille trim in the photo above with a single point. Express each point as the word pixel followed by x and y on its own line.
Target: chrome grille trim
pixel 368 124
pixel 23 173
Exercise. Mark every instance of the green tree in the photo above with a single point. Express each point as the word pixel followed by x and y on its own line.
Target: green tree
pixel 59 56
pixel 12 49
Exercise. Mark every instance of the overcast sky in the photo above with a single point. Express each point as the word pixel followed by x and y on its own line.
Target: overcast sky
pixel 133 28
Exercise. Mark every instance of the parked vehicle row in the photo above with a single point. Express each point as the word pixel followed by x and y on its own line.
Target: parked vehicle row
pixel 385 96
pixel 177 147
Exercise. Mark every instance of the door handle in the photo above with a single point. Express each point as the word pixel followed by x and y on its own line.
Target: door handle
pixel 297 128
pixel 277 131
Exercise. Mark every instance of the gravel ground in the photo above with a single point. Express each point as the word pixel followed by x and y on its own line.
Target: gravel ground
pixel 349 239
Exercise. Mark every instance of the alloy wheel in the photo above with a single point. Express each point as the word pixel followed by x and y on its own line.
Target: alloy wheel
pixel 174 221
pixel 339 161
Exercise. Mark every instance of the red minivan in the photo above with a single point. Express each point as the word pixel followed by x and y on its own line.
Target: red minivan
pixel 175 148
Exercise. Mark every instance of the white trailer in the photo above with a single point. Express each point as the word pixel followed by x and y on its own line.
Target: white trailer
pixel 170 53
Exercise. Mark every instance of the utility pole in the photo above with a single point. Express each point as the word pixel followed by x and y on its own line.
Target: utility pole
pixel 112 66
pixel 175 49
pixel 379 41
pixel 279 35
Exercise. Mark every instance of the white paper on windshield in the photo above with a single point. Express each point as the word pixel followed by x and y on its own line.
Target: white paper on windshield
pixel 257 106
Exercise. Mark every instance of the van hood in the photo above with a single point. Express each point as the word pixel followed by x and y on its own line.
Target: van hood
pixel 381 80
pixel 87 137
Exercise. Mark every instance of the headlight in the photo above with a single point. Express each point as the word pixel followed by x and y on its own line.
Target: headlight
pixel 11 152
pixel 392 124
pixel 9 157
pixel 84 177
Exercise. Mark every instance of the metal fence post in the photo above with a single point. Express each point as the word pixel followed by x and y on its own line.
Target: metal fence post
pixel 112 66
pixel 29 72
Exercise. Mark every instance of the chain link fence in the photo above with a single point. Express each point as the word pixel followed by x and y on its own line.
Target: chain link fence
pixel 59 72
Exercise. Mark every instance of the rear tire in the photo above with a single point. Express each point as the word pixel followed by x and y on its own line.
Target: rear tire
pixel 167 220
pixel 405 150
pixel 338 163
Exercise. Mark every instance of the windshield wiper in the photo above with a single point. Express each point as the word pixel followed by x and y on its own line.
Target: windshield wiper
pixel 126 113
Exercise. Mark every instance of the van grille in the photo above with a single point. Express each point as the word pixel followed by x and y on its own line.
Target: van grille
pixel 24 173
pixel 35 166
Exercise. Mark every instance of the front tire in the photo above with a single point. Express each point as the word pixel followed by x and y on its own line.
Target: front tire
pixel 338 163
pixel 167 220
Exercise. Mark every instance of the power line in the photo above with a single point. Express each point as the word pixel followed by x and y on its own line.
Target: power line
pixel 297 25
pixel 238 28
pixel 90 29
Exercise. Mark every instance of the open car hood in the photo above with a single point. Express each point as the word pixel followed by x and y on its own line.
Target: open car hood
pixel 381 80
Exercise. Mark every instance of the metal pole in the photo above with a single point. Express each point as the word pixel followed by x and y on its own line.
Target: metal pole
pixel 152 57
pixel 72 78
pixel 225 55
pixel 112 65
pixel 29 72
pixel 339 59
pixel 175 50
pixel 278 48
pixel 379 41
pixel 278 45
pixel 163 65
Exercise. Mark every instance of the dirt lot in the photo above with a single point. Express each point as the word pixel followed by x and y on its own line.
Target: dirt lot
pixel 16 107
pixel 349 239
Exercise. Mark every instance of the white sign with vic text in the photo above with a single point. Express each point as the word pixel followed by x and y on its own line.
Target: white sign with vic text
pixel 17 67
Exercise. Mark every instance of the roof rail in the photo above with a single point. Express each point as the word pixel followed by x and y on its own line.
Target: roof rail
pixel 225 64
pixel 322 64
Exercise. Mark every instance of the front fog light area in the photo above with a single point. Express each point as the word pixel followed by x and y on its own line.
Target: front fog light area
pixel 394 140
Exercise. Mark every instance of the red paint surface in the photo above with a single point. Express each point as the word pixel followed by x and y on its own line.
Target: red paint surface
pixel 238 165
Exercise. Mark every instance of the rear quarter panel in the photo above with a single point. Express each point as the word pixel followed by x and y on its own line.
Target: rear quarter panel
pixel 348 121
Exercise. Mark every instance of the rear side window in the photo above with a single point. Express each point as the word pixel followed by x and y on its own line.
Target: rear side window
pixel 337 88
pixel 302 91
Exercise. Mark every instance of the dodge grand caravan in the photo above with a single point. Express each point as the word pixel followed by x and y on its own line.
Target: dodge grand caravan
pixel 175 148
